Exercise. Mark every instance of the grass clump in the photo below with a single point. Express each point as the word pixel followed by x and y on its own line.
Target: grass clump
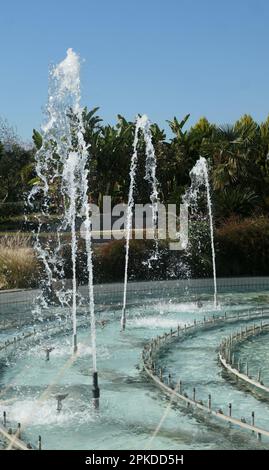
pixel 18 264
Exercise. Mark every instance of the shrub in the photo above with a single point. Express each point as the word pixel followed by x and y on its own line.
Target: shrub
pixel 243 247
pixel 9 209
pixel 109 262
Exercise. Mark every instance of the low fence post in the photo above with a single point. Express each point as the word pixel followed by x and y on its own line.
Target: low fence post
pixel 209 401
pixel 169 380
pixel 19 430
pixel 253 418
pixel 230 356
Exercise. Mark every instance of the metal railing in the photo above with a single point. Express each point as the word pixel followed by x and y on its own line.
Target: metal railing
pixel 151 353
pixel 227 357
pixel 12 437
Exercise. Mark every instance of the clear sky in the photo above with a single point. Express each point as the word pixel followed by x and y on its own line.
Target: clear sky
pixel 160 57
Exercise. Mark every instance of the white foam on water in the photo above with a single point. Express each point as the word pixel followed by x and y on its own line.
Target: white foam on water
pixel 186 307
pixel 36 413
pixel 64 350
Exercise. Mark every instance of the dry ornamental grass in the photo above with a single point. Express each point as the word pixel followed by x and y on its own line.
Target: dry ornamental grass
pixel 18 263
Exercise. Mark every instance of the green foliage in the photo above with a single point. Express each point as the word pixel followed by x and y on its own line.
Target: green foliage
pixel 236 200
pixel 177 127
pixel 37 139
pixel 15 164
pixel 238 156
pixel 9 209
pixel 243 247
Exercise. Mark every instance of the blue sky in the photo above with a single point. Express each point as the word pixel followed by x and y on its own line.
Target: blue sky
pixel 160 57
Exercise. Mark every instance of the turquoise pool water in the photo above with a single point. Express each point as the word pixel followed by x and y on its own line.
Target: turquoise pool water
pixel 130 407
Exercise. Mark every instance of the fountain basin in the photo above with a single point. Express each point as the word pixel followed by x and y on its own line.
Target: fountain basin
pixel 130 406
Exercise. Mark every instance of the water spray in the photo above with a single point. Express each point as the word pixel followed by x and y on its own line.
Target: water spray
pixel 64 157
pixel 143 125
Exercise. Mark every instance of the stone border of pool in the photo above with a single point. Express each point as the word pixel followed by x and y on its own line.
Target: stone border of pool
pixel 167 288
pixel 12 439
pixel 152 350
pixel 227 360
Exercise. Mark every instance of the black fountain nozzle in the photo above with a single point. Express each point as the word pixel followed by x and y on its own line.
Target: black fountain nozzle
pixel 48 351
pixel 60 397
pixel 123 320
pixel 95 390
pixel 75 344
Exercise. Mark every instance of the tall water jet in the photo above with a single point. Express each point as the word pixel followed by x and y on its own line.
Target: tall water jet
pixel 199 177
pixel 61 162
pixel 143 125
pixel 129 217
pixel 150 177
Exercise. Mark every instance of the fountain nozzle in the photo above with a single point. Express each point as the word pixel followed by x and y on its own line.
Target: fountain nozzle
pixel 48 351
pixel 75 344
pixel 95 390
pixel 123 320
pixel 59 399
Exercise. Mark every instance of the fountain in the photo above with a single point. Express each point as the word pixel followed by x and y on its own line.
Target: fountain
pixel 29 386
pixel 143 125
pixel 199 177
pixel 61 162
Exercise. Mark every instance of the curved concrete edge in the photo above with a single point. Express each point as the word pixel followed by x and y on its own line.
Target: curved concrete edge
pixel 227 364
pixel 174 395
pixel 243 377
pixel 13 440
